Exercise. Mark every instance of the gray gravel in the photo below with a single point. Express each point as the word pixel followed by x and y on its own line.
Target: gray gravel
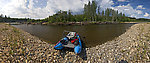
pixel 19 46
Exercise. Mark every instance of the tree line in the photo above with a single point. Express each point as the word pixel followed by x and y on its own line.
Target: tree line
pixel 91 12
pixel 4 18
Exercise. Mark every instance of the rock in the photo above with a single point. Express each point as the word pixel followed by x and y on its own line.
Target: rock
pixel 40 54
pixel 88 61
pixel 74 61
pixel 49 55
pixel 2 62
pixel 26 61
pixel 36 50
pixel 55 54
pixel 54 57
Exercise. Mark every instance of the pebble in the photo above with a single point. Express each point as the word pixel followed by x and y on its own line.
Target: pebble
pixel 125 47
pixel 89 62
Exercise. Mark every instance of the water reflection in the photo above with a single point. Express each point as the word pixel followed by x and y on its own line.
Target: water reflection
pixel 94 34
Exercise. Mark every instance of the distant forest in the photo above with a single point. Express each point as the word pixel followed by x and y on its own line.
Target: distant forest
pixel 91 12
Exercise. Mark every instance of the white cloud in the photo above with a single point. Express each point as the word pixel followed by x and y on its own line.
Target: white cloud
pixel 44 8
pixel 30 8
pixel 146 15
pixel 129 10
pixel 105 3
pixel 121 0
pixel 140 7
pixel 139 12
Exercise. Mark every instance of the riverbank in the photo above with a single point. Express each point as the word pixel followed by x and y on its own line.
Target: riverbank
pixel 132 46
pixel 19 46
pixel 69 23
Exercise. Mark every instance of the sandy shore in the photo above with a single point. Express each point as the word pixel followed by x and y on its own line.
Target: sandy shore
pixel 19 46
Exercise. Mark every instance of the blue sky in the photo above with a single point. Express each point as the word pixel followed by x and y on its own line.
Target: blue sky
pixel 39 9
pixel 142 7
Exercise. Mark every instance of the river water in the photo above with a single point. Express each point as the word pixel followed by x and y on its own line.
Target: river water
pixel 91 35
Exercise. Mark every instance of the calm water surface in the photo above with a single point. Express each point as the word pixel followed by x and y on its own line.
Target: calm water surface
pixel 94 34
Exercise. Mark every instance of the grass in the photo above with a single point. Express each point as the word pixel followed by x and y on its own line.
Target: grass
pixel 11 52
pixel 148 23
pixel 5 29
pixel 15 30
pixel 145 51
pixel 123 51
pixel 142 45
pixel 23 51
pixel 15 44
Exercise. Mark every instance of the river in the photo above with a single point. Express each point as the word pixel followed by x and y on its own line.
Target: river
pixel 91 35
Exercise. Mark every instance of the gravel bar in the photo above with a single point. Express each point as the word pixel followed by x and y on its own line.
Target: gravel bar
pixel 19 46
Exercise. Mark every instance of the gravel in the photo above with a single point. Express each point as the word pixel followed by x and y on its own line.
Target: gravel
pixel 19 46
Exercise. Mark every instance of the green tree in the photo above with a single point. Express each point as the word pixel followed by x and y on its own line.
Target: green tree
pixel 98 10
pixel 93 10
pixel 69 16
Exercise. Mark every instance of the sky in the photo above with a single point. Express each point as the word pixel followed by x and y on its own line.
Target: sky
pixel 39 9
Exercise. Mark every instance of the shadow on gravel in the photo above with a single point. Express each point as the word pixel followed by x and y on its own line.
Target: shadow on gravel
pixel 62 52
pixel 82 55
pixel 123 61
